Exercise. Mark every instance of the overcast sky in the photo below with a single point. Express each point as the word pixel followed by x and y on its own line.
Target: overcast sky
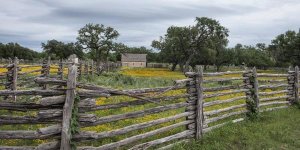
pixel 30 22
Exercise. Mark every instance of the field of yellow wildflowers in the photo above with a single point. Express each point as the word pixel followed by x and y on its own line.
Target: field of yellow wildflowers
pixel 130 78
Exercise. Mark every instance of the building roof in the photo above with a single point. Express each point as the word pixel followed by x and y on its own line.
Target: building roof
pixel 127 57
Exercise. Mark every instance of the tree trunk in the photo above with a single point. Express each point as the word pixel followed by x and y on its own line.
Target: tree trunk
pixel 218 68
pixel 173 66
pixel 187 63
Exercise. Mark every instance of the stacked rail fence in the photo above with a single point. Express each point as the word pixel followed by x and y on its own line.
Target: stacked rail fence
pixel 67 114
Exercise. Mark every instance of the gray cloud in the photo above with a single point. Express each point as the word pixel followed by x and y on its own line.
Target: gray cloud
pixel 30 22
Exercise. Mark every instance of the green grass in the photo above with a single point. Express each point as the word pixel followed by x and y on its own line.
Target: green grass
pixel 273 130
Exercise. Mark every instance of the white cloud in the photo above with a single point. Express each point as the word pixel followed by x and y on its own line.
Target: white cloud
pixel 31 22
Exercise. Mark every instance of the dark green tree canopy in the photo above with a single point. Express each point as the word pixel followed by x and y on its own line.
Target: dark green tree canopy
pixel 61 50
pixel 11 50
pixel 98 40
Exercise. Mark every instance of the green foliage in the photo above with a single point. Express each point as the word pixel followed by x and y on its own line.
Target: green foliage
pixel 285 49
pixel 97 40
pixel 274 130
pixel 60 50
pixel 198 44
pixel 11 50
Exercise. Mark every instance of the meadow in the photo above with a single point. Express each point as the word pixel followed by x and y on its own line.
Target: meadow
pixel 129 78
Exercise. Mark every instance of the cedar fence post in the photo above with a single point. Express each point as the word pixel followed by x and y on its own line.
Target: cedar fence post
pixel 15 77
pixel 46 70
pixel 11 76
pixel 252 98
pixel 195 90
pixel 68 106
pixel 61 70
pixel 199 105
pixel 291 83
pixel 296 85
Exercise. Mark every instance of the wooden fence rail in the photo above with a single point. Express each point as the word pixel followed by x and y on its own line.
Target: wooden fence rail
pixel 68 111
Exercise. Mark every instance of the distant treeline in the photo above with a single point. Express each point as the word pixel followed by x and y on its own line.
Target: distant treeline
pixel 11 50
pixel 204 43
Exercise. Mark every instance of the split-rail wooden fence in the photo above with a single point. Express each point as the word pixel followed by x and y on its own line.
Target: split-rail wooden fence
pixel 68 110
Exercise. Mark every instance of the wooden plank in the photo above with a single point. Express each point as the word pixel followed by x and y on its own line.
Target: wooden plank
pixel 68 106
pixel 43 133
pixel 271 75
pixel 222 79
pixel 225 93
pixel 273 98
pixel 272 93
pixel 94 136
pixel 217 102
pixel 272 86
pixel 32 92
pixel 217 111
pixel 220 88
pixel 214 119
pixel 134 103
pixel 15 77
pixel 129 140
pixel 135 114
pixel 273 103
pixel 273 108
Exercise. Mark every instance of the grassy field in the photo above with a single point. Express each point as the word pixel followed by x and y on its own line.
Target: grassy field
pixel 131 79
pixel 273 130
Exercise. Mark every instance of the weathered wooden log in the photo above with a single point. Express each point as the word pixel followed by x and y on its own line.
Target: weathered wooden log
pixel 94 136
pixel 48 101
pixel 272 93
pixel 222 124
pixel 48 146
pixel 147 145
pixel 214 112
pixel 271 75
pixel 29 72
pixel 182 81
pixel 69 104
pixel 27 120
pixel 135 114
pixel 25 106
pixel 220 88
pixel 225 93
pixel 43 133
pixel 273 98
pixel 274 86
pixel 214 119
pixel 17 147
pixel 273 108
pixel 136 137
pixel 190 74
pixel 134 103
pixel 87 102
pixel 272 81
pixel 50 113
pixel 273 103
pixel 92 93
pixel 223 79
pixel 217 102
pixel 32 92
